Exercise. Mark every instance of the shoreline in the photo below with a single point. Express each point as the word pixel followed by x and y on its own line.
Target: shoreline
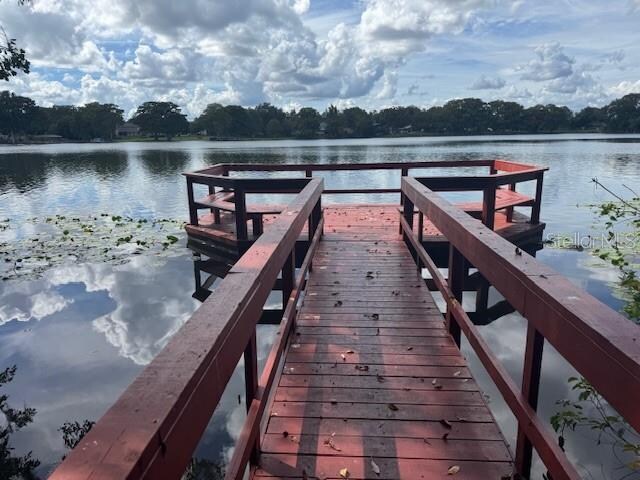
pixel 192 138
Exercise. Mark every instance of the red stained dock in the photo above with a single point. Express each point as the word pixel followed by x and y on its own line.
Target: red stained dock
pixel 371 375
pixel 365 378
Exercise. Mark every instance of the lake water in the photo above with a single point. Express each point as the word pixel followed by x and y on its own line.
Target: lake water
pixel 80 332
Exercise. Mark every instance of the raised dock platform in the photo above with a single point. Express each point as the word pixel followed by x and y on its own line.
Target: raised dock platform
pixel 365 378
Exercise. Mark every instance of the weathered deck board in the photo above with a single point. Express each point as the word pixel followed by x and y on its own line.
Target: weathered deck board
pixel 371 372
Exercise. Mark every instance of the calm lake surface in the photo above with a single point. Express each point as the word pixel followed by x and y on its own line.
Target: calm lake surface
pixel 80 332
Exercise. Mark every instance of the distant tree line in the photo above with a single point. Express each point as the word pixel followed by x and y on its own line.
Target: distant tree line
pixel 20 117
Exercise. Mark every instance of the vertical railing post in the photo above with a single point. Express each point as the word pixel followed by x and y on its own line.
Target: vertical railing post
pixel 288 278
pixel 420 238
pixel 240 201
pixel 456 275
pixel 308 173
pixel 535 210
pixel 251 386
pixel 407 213
pixel 193 211
pixel 403 173
pixel 512 187
pixel 530 388
pixel 489 205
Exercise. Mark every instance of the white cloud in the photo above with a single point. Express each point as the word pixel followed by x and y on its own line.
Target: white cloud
pixel 551 63
pixel 486 83
pixel 625 87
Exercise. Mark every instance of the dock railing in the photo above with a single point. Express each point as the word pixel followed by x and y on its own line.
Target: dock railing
pixel 220 179
pixel 155 426
pixel 601 344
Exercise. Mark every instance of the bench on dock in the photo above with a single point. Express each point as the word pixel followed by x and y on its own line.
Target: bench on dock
pixel 224 201
pixel 365 377
pixel 227 193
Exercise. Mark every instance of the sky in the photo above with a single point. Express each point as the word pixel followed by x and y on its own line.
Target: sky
pixel 292 53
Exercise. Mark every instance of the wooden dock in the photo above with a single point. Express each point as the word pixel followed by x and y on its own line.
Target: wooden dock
pixel 371 377
pixel 365 378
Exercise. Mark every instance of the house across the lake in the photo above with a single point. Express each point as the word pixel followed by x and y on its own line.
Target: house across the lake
pixel 127 129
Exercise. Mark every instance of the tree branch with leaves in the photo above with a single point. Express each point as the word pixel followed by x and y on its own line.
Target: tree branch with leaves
pixel 13 59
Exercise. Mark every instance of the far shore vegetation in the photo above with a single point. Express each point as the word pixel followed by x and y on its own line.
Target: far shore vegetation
pixel 22 121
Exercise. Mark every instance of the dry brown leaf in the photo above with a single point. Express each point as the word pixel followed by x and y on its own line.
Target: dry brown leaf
pixel 375 467
pixel 453 470
pixel 456 373
pixel 392 407
pixel 344 473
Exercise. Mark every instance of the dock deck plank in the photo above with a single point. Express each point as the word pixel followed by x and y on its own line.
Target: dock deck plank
pixel 371 375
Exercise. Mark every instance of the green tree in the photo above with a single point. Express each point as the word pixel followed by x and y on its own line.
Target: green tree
pixel 12 58
pixel 357 122
pixel 99 120
pixel 274 129
pixel 266 114
pixel 505 117
pixel 214 120
pixel 16 114
pixel 590 119
pixel 243 122
pixel 547 119
pixel 161 118
pixel 466 116
pixel 333 121
pixel 306 122
pixel 623 115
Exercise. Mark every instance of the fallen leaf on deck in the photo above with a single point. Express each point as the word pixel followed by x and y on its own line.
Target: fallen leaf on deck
pixel 329 443
pixel 445 423
pixel 456 374
pixel 375 467
pixel 344 357
pixel 453 470
pixel 445 436
pixel 409 349
pixel 350 351
pixel 393 407
pixel 344 473
pixel 362 368
pixel 380 378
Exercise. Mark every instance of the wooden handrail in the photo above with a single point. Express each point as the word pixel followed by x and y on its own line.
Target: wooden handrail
pixel 601 344
pixel 154 427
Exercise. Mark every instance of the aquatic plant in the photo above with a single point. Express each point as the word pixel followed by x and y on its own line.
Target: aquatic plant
pixel 61 239
pixel 591 411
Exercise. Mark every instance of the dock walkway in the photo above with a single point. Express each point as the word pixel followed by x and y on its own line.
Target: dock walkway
pixel 372 380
